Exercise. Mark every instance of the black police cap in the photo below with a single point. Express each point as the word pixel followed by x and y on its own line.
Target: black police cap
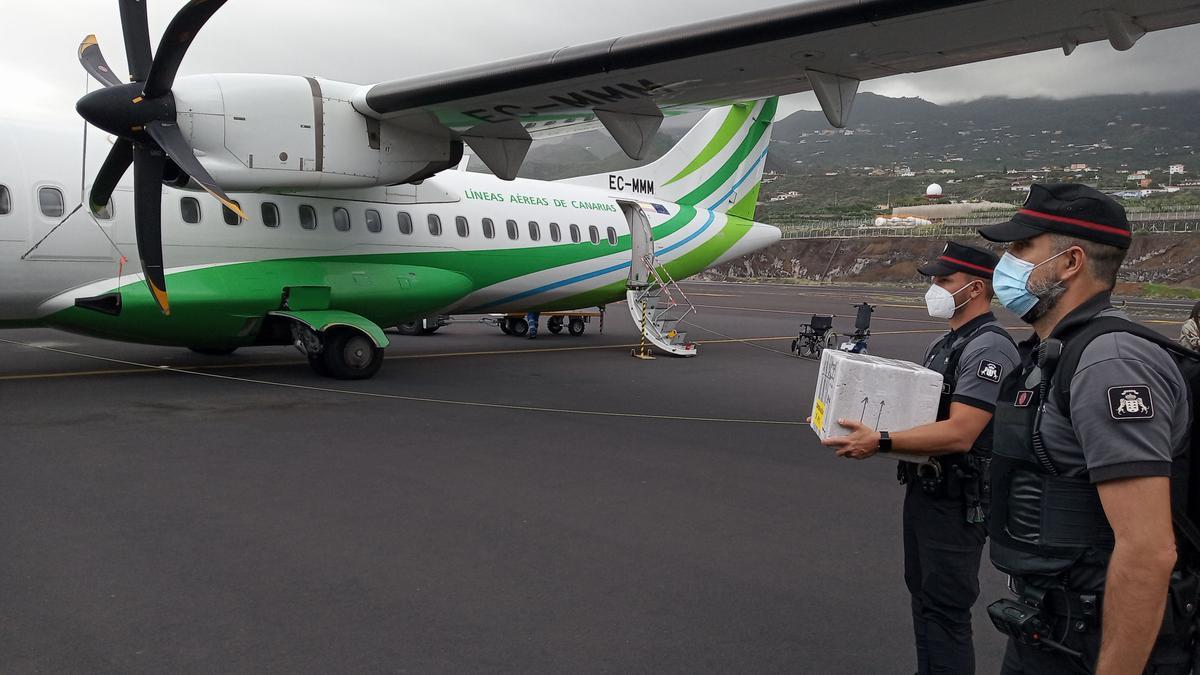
pixel 1066 208
pixel 957 257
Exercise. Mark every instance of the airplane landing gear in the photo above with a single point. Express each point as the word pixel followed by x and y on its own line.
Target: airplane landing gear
pixel 342 353
pixel 350 355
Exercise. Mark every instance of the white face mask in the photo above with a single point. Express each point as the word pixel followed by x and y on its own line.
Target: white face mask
pixel 940 302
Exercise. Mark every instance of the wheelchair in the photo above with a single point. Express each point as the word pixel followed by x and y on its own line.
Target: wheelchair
pixel 815 336
pixel 857 344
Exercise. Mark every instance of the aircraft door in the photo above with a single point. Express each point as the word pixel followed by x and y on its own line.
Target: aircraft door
pixel 641 245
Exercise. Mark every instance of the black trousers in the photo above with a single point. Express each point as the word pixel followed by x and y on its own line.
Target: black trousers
pixel 1167 658
pixel 941 569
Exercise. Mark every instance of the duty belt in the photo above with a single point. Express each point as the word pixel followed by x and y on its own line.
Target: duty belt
pixel 1085 607
pixel 953 477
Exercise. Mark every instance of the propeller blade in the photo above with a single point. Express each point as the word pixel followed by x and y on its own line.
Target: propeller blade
pixel 136 30
pixel 93 62
pixel 115 166
pixel 147 214
pixel 175 42
pixel 171 140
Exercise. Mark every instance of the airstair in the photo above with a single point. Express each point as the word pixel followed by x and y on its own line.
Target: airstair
pixel 659 306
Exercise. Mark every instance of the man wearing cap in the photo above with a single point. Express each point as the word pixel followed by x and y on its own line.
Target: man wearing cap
pixel 945 498
pixel 1081 515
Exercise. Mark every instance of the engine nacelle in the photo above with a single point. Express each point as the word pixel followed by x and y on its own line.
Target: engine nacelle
pixel 280 132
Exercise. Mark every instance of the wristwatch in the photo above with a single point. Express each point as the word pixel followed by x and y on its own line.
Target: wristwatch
pixel 885 442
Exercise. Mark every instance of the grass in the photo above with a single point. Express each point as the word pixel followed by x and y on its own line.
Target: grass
pixel 1171 292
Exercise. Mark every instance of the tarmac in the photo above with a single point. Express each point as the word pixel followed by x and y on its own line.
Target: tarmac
pixel 485 504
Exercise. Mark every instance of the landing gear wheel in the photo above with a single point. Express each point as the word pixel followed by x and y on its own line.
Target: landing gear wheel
pixel 214 351
pixel 555 324
pixel 351 355
pixel 430 330
pixel 506 326
pixel 576 327
pixel 520 327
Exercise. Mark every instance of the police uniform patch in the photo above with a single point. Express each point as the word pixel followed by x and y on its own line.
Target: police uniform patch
pixel 1130 402
pixel 990 371
pixel 1024 398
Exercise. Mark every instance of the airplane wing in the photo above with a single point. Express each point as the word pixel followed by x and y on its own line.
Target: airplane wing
pixel 828 46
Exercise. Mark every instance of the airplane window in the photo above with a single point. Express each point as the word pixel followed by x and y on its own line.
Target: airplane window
pixel 374 221
pixel 341 219
pixel 308 217
pixel 189 208
pixel 513 231
pixel 270 214
pixel 489 228
pixel 5 201
pixel 435 225
pixel 50 200
pixel 555 232
pixel 106 213
pixel 612 236
pixel 575 233
pixel 535 231
pixel 229 216
pixel 594 233
pixel 464 228
pixel 405 222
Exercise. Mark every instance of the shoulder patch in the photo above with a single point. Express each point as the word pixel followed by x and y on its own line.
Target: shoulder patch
pixel 990 371
pixel 1130 402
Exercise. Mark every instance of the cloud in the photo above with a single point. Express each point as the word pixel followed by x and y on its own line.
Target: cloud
pixel 374 40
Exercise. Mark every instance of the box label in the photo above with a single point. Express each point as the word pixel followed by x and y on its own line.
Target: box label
pixel 819 414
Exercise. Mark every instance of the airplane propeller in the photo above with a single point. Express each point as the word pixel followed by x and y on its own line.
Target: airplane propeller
pixel 141 114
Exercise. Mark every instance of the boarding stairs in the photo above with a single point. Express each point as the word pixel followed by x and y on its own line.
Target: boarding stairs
pixel 658 308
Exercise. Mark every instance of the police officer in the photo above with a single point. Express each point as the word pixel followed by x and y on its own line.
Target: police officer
pixel 945 497
pixel 1081 514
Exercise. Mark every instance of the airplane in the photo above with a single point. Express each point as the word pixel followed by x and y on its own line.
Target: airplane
pixel 275 210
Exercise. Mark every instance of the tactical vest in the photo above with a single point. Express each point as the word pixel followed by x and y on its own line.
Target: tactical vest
pixel 944 359
pixel 1046 524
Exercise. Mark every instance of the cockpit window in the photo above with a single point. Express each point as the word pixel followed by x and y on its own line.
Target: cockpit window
pixel 5 201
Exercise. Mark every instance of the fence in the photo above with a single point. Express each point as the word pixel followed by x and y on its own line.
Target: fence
pixel 1179 221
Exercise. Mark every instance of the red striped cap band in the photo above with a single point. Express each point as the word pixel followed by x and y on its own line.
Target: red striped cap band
pixel 1109 229
pixel 966 264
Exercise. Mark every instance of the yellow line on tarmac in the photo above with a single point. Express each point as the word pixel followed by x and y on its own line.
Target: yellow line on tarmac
pixel 269 364
pixel 398 357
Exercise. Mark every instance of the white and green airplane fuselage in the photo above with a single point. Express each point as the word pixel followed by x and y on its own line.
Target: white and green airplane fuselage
pixel 457 243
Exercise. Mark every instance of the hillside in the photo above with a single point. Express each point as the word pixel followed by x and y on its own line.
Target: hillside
pixel 1120 132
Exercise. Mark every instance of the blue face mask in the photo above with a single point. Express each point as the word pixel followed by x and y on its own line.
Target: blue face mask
pixel 1011 282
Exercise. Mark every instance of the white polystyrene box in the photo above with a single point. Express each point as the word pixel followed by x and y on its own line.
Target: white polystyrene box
pixel 884 394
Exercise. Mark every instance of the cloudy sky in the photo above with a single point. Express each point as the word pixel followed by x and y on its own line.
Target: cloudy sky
pixel 368 41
